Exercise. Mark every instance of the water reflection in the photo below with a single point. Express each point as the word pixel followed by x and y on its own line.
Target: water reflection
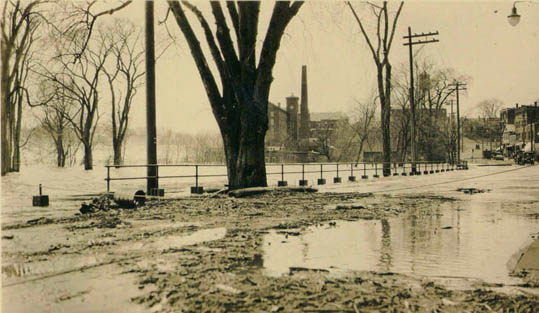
pixel 385 252
pixel 455 240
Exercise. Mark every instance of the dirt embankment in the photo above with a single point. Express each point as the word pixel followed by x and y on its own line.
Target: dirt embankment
pixel 226 275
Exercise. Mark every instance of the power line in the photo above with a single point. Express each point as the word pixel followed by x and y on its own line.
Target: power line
pixel 410 43
pixel 458 86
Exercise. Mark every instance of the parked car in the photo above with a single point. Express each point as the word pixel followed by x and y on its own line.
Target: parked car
pixel 525 158
pixel 498 156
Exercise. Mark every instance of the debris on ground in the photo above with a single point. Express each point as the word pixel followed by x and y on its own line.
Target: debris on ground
pixel 39 221
pixel 246 192
pixel 101 203
pixel 472 191
pixel 228 275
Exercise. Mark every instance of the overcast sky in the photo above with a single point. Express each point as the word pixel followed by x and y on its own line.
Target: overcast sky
pixel 475 40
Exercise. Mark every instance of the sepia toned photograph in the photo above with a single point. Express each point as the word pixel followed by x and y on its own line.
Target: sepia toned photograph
pixel 269 156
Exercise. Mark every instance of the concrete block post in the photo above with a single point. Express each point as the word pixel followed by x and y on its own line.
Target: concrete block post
pixel 303 181
pixel 196 189
pixel 321 180
pixel 337 179
pixel 364 171
pixel 351 177
pixel 41 199
pixel 282 182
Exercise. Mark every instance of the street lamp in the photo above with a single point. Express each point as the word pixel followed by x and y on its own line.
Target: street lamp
pixel 514 17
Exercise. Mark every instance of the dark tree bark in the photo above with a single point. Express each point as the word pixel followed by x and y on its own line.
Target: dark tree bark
pixel 18 25
pixel 240 105
pixel 88 157
pixel 380 54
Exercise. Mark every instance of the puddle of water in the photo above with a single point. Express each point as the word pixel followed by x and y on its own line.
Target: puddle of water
pixel 471 240
pixel 14 271
pixel 100 289
pixel 103 289
pixel 175 241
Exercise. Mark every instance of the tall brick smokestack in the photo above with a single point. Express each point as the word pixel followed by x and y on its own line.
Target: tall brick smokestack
pixel 304 128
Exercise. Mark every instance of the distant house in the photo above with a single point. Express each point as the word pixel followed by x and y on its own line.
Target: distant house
pixel 526 126
pixel 520 128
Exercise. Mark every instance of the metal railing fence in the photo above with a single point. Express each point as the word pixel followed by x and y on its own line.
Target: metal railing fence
pixel 396 169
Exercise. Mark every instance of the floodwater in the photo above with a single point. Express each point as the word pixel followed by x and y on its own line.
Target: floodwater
pixel 67 187
pixel 459 240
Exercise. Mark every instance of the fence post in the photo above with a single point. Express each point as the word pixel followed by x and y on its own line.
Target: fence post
pixel 196 188
pixel 337 179
pixel 376 170
pixel 282 182
pixel 364 171
pixel 321 180
pixel 351 177
pixel 303 181
pixel 108 179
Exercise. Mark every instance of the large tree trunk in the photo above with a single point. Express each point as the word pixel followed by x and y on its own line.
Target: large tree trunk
pixel 386 138
pixel 16 160
pixel 246 166
pixel 60 152
pixel 244 151
pixel 5 114
pixel 88 158
pixel 117 149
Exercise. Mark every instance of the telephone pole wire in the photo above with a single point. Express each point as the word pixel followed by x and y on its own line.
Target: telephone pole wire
pixel 411 43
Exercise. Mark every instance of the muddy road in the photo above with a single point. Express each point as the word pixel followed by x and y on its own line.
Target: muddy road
pixel 217 253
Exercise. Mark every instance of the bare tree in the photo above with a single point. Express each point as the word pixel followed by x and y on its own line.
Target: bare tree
pixel 363 120
pixel 81 82
pixel 54 120
pixel 433 92
pixel 324 140
pixel 80 18
pixel 240 105
pixel 490 108
pixel 492 129
pixel 124 73
pixel 380 54
pixel 18 25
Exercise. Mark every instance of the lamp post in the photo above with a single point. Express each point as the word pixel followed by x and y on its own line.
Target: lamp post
pixel 514 17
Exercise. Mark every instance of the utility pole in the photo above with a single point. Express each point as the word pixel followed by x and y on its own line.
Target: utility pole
pixel 411 43
pixel 458 86
pixel 452 127
pixel 151 135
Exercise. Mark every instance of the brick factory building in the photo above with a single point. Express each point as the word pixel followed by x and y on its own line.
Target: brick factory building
pixel 290 129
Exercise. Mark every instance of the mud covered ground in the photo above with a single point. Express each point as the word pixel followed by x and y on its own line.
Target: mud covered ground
pixel 205 255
